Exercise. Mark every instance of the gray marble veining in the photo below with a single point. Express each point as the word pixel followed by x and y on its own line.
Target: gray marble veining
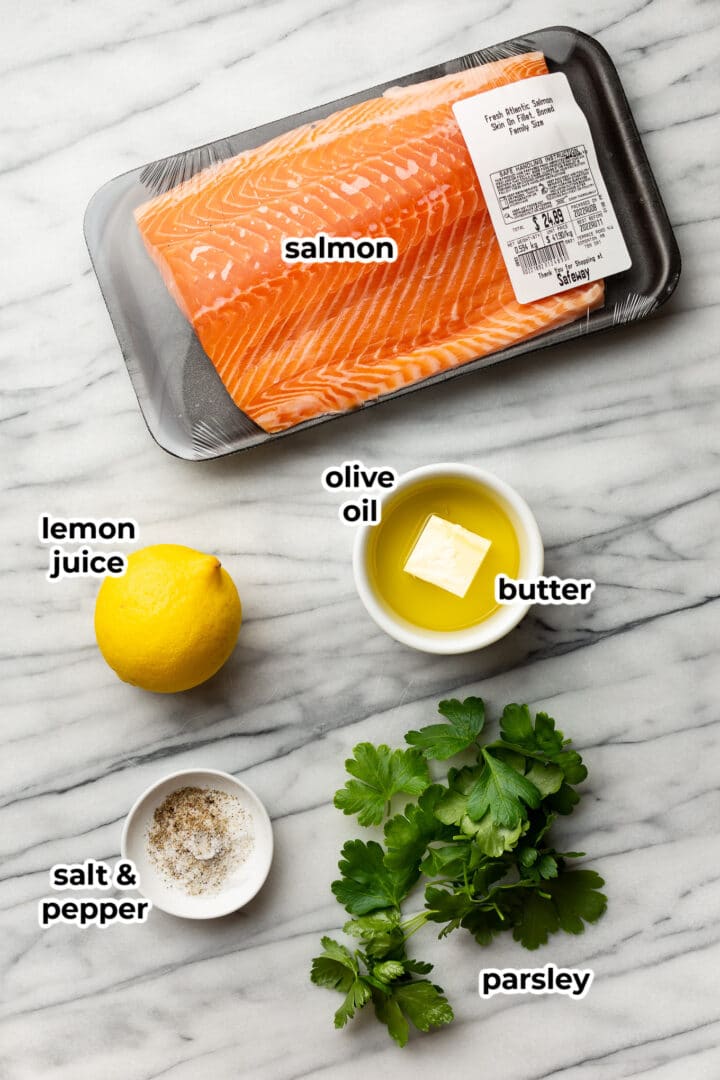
pixel 612 440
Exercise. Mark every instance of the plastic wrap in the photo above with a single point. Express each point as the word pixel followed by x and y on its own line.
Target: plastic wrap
pixel 230 340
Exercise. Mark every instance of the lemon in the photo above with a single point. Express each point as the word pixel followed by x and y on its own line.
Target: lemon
pixel 171 621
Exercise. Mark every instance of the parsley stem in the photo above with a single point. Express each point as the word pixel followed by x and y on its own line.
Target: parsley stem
pixel 414 923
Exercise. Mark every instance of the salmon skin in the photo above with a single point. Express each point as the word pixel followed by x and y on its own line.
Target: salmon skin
pixel 294 341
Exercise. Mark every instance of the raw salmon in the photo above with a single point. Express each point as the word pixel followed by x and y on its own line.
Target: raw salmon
pixel 292 341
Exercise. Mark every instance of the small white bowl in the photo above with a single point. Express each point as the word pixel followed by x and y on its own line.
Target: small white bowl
pixel 505 618
pixel 245 882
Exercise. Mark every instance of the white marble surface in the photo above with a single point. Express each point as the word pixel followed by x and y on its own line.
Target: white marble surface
pixel 611 440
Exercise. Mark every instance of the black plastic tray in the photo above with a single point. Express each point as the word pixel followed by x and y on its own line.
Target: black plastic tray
pixel 184 403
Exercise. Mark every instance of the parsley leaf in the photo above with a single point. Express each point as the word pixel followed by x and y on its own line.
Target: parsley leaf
pixel 492 839
pixel 447 907
pixel 380 773
pixel 548 739
pixel 336 968
pixel 380 932
pixel 484 923
pixel 367 883
pixel 450 861
pixel 537 865
pixel 577 898
pixel 547 866
pixel 452 807
pixel 357 996
pixel 389 1013
pixel 572 766
pixel 407 835
pixel 547 778
pixel 442 741
pixel 389 970
pixel 418 967
pixel 564 800
pixel 424 1004
pixel 543 739
pixel 419 1002
pixel 516 726
pixel 565 903
pixel 501 790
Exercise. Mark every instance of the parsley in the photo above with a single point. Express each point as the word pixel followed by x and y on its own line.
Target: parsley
pixel 420 1002
pixel 533 908
pixel 380 773
pixel 443 741
pixel 367 883
pixel 490 838
pixel 500 791
pixel 540 739
pixel 398 998
pixel 480 841
pixel 565 903
pixel 408 835
pixel 381 934
pixel 338 969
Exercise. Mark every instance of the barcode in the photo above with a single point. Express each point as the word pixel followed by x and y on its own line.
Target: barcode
pixel 530 261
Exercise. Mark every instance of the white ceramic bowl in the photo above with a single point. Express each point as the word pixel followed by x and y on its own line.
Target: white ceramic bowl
pixel 497 625
pixel 239 889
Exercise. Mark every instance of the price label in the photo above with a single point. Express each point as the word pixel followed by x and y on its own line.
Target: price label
pixel 534 156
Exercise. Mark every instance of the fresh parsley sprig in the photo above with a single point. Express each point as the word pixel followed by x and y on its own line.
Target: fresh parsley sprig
pixel 480 842
pixel 383 974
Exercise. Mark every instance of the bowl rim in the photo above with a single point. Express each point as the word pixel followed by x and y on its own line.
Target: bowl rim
pixel 472 638
pixel 258 804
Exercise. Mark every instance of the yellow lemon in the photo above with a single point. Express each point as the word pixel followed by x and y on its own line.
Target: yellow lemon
pixel 171 621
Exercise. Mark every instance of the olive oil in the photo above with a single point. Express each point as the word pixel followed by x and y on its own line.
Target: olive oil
pixel 404 516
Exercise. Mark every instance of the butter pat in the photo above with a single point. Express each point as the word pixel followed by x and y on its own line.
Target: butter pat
pixel 447 555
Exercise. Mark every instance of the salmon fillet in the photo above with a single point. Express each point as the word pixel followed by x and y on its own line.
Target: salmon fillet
pixel 292 341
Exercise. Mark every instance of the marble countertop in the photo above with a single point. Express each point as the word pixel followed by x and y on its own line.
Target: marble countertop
pixel 613 442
